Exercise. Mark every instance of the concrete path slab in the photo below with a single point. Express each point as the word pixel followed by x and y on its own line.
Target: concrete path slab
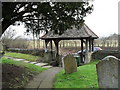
pixel 33 62
pixel 26 61
pixel 44 79
pixel 16 59
pixel 44 65
pixel 47 66
pixel 41 64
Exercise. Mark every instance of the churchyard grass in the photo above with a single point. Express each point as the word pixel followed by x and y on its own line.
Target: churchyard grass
pixel 16 74
pixel 29 66
pixel 85 77
pixel 22 56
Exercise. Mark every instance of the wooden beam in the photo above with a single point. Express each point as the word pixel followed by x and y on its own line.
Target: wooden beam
pixel 56 41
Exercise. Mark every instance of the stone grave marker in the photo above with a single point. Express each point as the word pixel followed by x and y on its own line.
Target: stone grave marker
pixel 47 57
pixel 70 64
pixel 88 57
pixel 107 71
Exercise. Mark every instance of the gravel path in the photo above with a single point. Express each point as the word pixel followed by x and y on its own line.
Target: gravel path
pixel 44 79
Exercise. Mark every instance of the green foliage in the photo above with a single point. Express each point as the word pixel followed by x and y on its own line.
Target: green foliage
pixel 29 66
pixel 85 77
pixel 56 16
pixel 22 56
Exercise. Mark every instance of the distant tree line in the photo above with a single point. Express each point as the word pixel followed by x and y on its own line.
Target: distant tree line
pixel 17 42
pixel 110 41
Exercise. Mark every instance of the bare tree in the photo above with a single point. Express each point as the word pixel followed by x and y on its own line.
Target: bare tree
pixel 9 39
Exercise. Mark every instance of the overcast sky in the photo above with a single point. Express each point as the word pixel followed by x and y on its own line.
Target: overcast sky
pixel 103 20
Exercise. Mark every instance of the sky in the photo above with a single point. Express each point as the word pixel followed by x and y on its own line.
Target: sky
pixel 103 20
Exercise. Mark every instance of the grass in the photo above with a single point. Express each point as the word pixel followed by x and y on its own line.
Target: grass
pixel 22 56
pixel 16 74
pixel 85 77
pixel 29 66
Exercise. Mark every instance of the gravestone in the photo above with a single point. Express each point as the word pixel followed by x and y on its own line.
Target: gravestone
pixel 88 57
pixel 70 64
pixel 107 70
pixel 48 56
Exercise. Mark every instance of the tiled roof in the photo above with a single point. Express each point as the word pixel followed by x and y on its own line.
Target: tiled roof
pixel 83 32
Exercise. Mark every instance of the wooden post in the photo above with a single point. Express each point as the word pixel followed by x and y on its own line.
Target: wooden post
pixel 51 45
pixel 92 44
pixel 82 51
pixel 86 45
pixel 90 49
pixel 56 45
pixel 56 41
pixel 86 53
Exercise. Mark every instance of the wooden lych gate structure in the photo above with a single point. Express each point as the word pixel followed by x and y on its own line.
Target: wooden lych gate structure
pixel 84 34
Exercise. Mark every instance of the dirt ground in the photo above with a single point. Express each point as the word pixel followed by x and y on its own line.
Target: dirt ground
pixel 15 76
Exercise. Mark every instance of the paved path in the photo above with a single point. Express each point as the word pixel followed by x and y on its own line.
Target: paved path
pixel 43 65
pixel 45 79
pixel 16 59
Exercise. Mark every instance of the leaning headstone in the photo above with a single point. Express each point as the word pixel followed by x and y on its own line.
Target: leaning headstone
pixel 70 64
pixel 107 71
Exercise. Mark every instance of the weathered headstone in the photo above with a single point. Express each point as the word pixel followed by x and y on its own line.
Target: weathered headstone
pixel 88 57
pixel 70 64
pixel 107 71
pixel 48 56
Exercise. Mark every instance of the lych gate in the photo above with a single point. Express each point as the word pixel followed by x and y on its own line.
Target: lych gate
pixel 85 34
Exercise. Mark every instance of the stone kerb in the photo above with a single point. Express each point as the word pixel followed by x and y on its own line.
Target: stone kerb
pixel 107 71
